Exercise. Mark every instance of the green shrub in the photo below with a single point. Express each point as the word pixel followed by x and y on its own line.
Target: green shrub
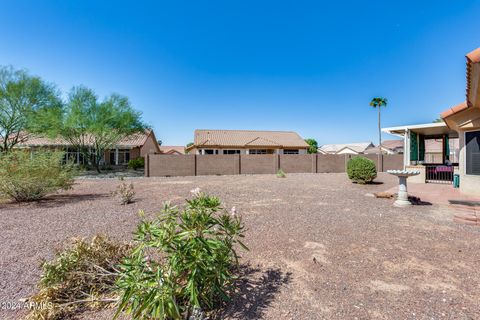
pixel 26 176
pixel 81 277
pixel 183 262
pixel 281 174
pixel 135 164
pixel 361 170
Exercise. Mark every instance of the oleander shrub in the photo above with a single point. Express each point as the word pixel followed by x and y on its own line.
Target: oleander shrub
pixel 81 277
pixel 27 176
pixel 361 170
pixel 136 164
pixel 183 262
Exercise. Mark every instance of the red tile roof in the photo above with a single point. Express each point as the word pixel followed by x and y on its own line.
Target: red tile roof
pixel 455 109
pixel 472 57
pixel 172 149
pixel 132 141
pixel 247 138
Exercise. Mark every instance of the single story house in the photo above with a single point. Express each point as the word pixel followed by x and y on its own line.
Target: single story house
pixel 133 147
pixel 459 136
pixel 346 148
pixel 175 150
pixel 246 142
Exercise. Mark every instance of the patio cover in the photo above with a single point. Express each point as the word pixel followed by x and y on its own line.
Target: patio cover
pixel 414 139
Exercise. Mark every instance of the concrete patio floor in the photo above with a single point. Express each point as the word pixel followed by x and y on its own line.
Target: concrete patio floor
pixel 436 193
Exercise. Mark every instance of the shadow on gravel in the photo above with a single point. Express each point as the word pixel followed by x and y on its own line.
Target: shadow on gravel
pixel 52 201
pixel 254 292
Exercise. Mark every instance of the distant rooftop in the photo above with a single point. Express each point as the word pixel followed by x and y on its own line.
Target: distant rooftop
pixel 248 138
pixel 357 147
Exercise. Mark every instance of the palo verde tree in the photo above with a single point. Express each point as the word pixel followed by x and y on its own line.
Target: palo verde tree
pixel 25 102
pixel 379 102
pixel 312 145
pixel 94 126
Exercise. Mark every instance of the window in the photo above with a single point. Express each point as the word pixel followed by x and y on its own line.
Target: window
pixel 290 151
pixel 257 151
pixel 123 156
pixel 472 153
pixel 210 151
pixel 231 151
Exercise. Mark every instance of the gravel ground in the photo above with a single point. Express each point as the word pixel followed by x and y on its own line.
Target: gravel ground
pixel 319 248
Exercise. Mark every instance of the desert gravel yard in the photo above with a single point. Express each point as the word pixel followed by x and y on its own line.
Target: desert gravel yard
pixel 319 248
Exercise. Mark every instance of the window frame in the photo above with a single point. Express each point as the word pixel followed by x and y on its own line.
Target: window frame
pixel 465 153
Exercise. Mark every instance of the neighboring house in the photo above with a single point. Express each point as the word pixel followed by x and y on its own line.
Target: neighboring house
pixel 132 147
pixel 247 142
pixel 388 147
pixel 345 148
pixel 175 150
pixel 457 139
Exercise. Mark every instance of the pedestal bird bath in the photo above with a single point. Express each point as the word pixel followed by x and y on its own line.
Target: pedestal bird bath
pixel 402 199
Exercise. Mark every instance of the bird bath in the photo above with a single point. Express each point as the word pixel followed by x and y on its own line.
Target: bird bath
pixel 402 199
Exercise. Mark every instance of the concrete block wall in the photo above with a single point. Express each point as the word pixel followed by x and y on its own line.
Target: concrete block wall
pixel 157 165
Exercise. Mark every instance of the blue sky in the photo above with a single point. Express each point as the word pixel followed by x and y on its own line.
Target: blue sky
pixel 307 66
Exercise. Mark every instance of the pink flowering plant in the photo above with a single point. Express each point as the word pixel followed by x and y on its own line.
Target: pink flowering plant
pixel 184 260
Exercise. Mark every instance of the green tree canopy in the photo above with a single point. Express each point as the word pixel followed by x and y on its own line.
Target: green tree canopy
pixel 313 145
pixel 95 126
pixel 26 102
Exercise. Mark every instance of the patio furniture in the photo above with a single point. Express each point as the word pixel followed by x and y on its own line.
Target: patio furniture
pixel 402 198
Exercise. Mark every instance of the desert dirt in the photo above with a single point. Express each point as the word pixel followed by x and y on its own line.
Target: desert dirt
pixel 319 248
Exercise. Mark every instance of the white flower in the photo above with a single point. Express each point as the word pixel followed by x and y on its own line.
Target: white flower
pixel 233 211
pixel 196 191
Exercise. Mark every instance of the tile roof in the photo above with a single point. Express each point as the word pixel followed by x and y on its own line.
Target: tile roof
pixel 247 138
pixel 134 140
pixel 357 147
pixel 472 58
pixel 172 149
pixel 392 144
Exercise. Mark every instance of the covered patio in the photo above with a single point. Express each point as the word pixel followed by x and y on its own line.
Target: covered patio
pixel 432 149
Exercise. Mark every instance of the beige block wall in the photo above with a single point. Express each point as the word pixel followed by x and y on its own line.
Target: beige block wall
pixel 160 165
pixel 291 163
pixel 258 164
pixel 218 164
pixel 329 163
pixel 190 165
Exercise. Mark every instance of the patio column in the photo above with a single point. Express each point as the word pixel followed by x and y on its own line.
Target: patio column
pixel 406 148
pixel 116 156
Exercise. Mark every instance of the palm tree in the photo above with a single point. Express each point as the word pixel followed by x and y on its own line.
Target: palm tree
pixel 379 102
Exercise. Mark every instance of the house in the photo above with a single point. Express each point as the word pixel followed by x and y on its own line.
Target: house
pixel 246 142
pixel 464 119
pixel 346 148
pixel 388 147
pixel 175 150
pixel 454 145
pixel 133 147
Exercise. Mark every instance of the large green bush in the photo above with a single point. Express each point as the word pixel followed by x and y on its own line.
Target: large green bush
pixel 361 170
pixel 183 262
pixel 26 176
pixel 135 164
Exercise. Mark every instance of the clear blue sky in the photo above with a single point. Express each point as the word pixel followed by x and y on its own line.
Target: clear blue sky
pixel 307 66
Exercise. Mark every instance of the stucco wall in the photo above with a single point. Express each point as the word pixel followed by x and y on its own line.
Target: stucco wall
pixel 150 146
pixel 469 184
